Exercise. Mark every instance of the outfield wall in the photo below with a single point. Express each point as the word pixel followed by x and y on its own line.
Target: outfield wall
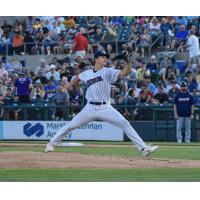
pixel 45 130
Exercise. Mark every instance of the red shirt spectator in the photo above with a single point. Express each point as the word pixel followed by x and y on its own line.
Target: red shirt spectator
pixel 80 43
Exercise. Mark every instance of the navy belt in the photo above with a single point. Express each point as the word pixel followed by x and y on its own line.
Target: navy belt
pixel 97 103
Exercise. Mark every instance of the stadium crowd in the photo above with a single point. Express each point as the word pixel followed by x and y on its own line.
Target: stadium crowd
pixel 154 81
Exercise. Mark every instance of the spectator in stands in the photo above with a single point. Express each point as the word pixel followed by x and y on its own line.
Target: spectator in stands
pixel 6 28
pixel 183 109
pixel 166 29
pixel 165 62
pixel 59 47
pixel 40 77
pixel 169 74
pixel 15 113
pixel 173 91
pixel 50 90
pixel 160 83
pixel 109 38
pixel 180 38
pixel 142 71
pixel 22 87
pixel 145 95
pixel 29 43
pixel 197 75
pixel 193 46
pixel 160 97
pixel 6 80
pixel 80 44
pixel 150 85
pixel 8 96
pixel 145 40
pixel 3 89
pixel 43 66
pixel 37 93
pixel 53 73
pixel 154 27
pixel 153 65
pixel 6 45
pixel 60 98
pixel 16 66
pixel 98 37
pixel 130 99
pixel 69 22
pixel 191 83
pixel 132 78
pixel 2 69
pixel 18 42
pixel 47 43
pixel 37 49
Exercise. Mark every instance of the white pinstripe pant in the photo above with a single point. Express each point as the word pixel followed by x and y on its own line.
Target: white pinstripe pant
pixel 104 113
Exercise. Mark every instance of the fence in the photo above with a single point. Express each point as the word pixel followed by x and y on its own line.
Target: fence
pixel 159 117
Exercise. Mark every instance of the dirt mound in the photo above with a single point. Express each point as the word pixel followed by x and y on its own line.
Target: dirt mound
pixel 77 160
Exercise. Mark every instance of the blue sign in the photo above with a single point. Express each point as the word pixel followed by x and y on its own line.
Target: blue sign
pixel 30 129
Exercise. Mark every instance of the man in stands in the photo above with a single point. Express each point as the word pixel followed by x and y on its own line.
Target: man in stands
pixel 80 44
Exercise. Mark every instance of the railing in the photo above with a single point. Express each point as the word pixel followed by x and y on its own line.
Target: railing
pixel 8 47
pixel 153 43
pixel 161 116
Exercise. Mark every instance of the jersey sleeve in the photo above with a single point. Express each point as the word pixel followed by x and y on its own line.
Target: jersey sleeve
pixel 112 74
pixel 83 76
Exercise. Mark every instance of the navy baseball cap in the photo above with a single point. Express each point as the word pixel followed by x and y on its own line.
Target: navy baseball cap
pixel 101 53
pixel 183 84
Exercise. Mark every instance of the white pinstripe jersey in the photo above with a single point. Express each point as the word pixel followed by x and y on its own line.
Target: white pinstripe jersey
pixel 99 83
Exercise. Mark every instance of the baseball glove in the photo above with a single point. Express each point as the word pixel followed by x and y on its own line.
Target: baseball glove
pixel 124 56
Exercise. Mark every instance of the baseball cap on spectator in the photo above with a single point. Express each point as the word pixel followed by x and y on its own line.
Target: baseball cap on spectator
pixel 38 81
pixel 101 53
pixel 183 84
pixel 153 57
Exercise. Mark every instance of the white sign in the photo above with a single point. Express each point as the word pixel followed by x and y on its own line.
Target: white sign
pixel 45 130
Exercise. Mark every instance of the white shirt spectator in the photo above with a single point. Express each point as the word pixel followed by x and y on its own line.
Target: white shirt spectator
pixel 53 73
pixel 42 67
pixel 193 43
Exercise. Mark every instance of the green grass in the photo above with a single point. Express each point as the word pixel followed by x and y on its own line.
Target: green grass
pixel 167 150
pixel 176 151
pixel 100 175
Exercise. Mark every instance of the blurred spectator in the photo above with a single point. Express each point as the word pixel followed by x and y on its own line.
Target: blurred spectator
pixel 40 77
pixel 6 80
pixel 50 90
pixel 53 73
pixel 43 66
pixel 142 71
pixel 60 98
pixel 132 78
pixel 153 65
pixel 80 44
pixel 150 85
pixel 15 66
pixel 145 40
pixel 18 42
pixel 145 95
pixel 193 46
pixel 173 91
pixel 180 38
pixel 160 97
pixel 109 38
pixel 37 93
pixel 29 43
pixel 15 113
pixel 69 22
pixel 154 27
pixel 191 83
pixel 169 74
pixel 23 86
pixel 2 69
pixel 166 29
pixel 59 47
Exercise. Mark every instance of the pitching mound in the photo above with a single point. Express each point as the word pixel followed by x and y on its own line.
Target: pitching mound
pixel 77 160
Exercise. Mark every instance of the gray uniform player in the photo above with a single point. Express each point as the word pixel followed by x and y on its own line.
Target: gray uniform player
pixel 98 107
